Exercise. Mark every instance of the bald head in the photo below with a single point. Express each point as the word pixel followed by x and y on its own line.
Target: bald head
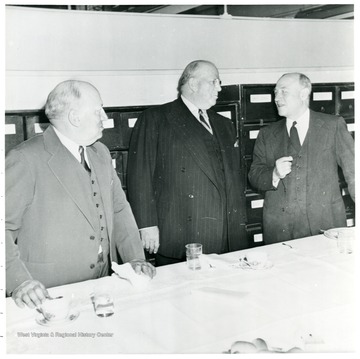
pixel 292 95
pixel 200 83
pixel 75 109
pixel 64 96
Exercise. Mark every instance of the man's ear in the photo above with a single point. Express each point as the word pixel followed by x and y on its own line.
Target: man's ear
pixel 74 118
pixel 304 94
pixel 193 84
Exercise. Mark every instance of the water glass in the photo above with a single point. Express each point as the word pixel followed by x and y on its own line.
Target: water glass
pixel 103 304
pixel 345 242
pixel 193 253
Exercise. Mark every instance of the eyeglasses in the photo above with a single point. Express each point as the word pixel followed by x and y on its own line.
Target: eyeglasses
pixel 216 82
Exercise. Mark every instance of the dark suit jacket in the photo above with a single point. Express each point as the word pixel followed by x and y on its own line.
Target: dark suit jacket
pixel 51 221
pixel 171 183
pixel 329 145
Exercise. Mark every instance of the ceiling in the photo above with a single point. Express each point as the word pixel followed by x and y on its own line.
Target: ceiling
pixel 338 11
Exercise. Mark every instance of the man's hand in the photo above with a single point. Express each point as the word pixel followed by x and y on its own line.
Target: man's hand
pixel 282 167
pixel 140 265
pixel 150 239
pixel 31 293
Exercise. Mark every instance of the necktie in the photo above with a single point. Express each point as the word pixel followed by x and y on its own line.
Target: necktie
pixel 202 119
pixel 82 159
pixel 294 137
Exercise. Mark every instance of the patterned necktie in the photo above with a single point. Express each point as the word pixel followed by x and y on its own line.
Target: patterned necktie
pixel 82 159
pixel 202 119
pixel 294 137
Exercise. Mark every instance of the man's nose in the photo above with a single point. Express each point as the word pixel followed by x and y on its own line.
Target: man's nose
pixel 104 116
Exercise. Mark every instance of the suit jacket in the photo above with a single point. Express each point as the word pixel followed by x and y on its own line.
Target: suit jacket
pixel 172 185
pixel 329 145
pixel 51 221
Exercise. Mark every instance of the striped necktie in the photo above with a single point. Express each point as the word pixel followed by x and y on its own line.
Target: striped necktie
pixel 82 159
pixel 202 119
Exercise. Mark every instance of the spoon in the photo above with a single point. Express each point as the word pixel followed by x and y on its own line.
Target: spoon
pixel 46 316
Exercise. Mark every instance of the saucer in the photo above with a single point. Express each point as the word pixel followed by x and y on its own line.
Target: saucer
pixel 73 315
pixel 262 265
pixel 333 233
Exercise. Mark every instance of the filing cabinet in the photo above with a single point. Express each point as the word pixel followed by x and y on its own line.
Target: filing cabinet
pixel 254 207
pixel 345 106
pixel 14 131
pixel 230 111
pixel 250 133
pixel 119 159
pixel 257 104
pixel 118 128
pixel 323 98
pixel 35 124
pixel 254 234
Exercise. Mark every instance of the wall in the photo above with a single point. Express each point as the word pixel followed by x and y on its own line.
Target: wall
pixel 136 59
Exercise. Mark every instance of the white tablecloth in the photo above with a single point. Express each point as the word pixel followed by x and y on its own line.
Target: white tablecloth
pixel 306 300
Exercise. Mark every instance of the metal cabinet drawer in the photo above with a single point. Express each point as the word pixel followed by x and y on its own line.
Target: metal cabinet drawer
pixel 118 129
pixel 14 132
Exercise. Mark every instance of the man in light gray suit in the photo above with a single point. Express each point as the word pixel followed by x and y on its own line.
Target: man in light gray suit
pixel 295 162
pixel 67 216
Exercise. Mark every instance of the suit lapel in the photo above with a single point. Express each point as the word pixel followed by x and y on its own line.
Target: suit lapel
pixel 279 140
pixel 188 129
pixel 62 163
pixel 315 138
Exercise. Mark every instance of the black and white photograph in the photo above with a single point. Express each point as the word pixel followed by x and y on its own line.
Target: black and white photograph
pixel 179 179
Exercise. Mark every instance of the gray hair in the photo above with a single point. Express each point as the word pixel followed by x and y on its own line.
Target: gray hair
pixel 62 97
pixel 189 72
pixel 304 81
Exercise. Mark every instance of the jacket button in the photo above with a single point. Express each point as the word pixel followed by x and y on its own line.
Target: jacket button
pixel 92 237
pixel 189 218
pixel 183 169
pixel 92 266
pixel 191 196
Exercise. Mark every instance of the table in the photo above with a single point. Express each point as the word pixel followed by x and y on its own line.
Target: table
pixel 306 299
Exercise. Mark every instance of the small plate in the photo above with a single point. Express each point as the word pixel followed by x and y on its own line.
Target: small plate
pixel 73 315
pixel 245 265
pixel 333 233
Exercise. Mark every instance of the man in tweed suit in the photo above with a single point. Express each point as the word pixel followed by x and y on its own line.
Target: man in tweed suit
pixel 184 180
pixel 67 216
pixel 295 162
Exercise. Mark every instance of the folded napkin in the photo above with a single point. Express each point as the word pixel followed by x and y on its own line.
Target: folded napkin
pixel 211 261
pixel 126 271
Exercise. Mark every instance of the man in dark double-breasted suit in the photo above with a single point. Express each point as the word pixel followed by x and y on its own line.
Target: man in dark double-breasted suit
pixel 295 162
pixel 184 177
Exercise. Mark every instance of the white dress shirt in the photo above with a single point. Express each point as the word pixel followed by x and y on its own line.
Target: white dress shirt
pixel 195 111
pixel 302 125
pixel 71 146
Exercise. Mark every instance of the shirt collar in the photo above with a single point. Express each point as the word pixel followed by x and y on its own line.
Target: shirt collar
pixel 302 121
pixel 69 144
pixel 193 109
